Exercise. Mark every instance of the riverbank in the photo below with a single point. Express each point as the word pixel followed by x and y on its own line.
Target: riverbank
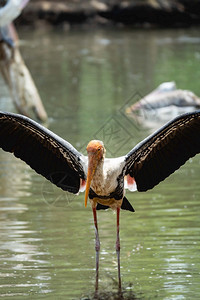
pixel 152 13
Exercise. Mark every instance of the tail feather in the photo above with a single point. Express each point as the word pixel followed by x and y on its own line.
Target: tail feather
pixel 100 206
pixel 125 205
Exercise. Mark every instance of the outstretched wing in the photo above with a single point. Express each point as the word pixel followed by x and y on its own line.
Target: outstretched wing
pixel 163 152
pixel 44 151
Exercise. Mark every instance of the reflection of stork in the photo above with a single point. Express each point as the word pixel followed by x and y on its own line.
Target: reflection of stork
pixel 104 179
pixel 12 66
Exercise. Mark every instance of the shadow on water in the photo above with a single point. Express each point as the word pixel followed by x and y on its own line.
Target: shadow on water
pixel 124 293
pixel 111 295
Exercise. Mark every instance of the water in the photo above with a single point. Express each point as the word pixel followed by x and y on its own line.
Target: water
pixel 86 80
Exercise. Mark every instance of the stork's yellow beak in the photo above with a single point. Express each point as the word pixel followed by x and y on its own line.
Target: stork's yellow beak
pixel 92 165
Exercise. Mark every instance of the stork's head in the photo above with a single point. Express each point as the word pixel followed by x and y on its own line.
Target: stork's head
pixel 96 153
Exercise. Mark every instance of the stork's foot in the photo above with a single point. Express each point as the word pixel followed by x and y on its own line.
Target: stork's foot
pixel 97 248
pixel 119 273
pixel 118 251
pixel 97 271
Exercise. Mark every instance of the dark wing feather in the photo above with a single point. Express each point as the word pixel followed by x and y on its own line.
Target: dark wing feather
pixel 42 150
pixel 163 152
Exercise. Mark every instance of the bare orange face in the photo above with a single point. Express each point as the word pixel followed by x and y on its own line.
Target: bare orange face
pixel 95 147
pixel 95 150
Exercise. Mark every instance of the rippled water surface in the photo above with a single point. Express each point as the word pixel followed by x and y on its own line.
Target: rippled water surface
pixel 86 80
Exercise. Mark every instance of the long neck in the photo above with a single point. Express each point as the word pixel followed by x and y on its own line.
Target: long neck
pixel 98 178
pixel 99 169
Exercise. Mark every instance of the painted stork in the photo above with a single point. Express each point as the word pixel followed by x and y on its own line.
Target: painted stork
pixel 104 179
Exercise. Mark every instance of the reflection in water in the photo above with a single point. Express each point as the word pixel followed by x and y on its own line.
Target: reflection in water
pixel 19 252
pixel 122 295
pixel 87 79
pixel 13 176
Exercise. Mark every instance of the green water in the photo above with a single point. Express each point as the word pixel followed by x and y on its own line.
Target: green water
pixel 86 80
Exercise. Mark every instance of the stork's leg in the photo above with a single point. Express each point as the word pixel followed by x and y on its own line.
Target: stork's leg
pixel 118 248
pixel 97 246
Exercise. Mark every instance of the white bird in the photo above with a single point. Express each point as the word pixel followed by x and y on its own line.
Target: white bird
pixel 11 11
pixel 104 179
